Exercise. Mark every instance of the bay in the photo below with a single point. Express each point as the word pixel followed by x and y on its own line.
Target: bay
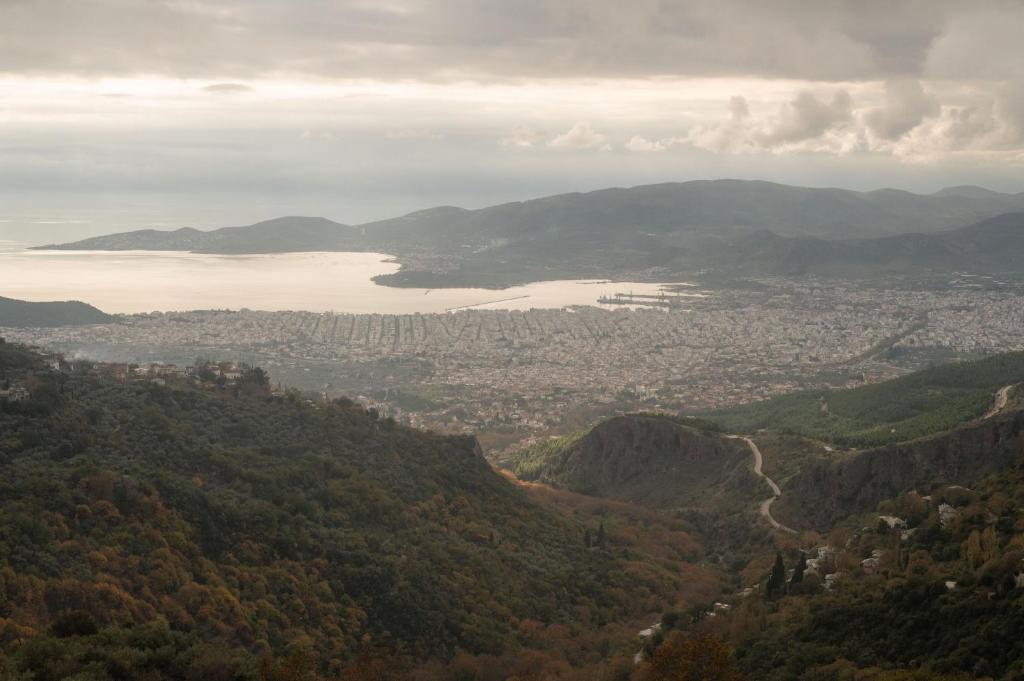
pixel 145 281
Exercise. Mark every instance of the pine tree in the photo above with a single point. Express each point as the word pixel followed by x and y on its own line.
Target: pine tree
pixel 798 571
pixel 601 538
pixel 587 541
pixel 777 579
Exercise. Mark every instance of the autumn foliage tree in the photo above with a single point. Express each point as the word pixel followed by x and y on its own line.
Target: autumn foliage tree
pixel 695 658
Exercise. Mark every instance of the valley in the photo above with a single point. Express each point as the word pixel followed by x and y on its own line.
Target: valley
pixel 639 516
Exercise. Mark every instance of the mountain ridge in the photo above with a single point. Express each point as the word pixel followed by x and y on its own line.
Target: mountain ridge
pixel 658 231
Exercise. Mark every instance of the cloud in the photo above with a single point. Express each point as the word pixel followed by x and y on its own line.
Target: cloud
pixel 907 106
pixel 980 41
pixel 807 118
pixel 991 128
pixel 734 134
pixel 522 138
pixel 580 136
pixel 805 123
pixel 644 145
pixel 830 40
pixel 227 88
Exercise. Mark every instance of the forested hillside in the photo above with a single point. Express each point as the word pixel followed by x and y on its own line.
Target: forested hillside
pixel 930 589
pixel 149 531
pixel 915 405
pixel 652 460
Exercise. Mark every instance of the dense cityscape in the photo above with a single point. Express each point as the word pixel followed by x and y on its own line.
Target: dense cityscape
pixel 508 375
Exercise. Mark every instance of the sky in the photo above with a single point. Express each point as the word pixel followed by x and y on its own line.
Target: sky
pixel 117 114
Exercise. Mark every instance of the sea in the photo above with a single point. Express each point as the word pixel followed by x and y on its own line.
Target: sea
pixel 133 282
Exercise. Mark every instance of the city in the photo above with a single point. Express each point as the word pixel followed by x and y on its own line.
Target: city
pixel 508 376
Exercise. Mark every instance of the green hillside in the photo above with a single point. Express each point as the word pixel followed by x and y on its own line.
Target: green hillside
pixel 908 407
pixel 656 461
pixel 174 532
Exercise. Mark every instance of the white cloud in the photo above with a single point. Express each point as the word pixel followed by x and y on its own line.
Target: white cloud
pixel 805 123
pixel 522 138
pixel 808 118
pixel 581 136
pixel 643 145
pixel 734 134
pixel 907 106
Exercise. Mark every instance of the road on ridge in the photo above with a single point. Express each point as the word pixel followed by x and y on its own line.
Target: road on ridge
pixel 766 505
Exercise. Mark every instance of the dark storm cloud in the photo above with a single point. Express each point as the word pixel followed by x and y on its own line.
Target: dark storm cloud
pixel 436 39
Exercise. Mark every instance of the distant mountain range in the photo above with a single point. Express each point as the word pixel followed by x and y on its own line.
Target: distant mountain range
pixel 727 226
pixel 18 313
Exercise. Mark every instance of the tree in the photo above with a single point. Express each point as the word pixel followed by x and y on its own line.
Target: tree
pixel 587 540
pixel 798 571
pixel 602 539
pixel 698 658
pixel 777 579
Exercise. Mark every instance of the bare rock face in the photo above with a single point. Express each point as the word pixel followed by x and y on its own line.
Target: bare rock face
pixel 823 492
pixel 656 462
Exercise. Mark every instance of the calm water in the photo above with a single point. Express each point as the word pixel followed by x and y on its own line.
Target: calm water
pixel 144 281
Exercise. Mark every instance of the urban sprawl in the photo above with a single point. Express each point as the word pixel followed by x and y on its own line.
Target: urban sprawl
pixel 512 375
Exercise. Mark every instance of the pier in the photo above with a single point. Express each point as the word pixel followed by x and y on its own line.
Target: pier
pixel 671 302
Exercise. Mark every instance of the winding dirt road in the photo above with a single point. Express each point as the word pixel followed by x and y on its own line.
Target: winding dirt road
pixel 766 505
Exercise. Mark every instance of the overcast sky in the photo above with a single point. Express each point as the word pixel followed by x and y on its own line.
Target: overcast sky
pixel 119 113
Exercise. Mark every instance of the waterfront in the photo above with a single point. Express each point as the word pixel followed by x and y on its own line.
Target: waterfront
pixel 145 281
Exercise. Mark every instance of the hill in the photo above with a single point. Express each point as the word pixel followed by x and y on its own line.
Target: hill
pixel 15 313
pixel 280 235
pixel 926 588
pixel 829 488
pixel 729 226
pixel 994 245
pixel 185 532
pixel 651 460
pixel 717 206
pixel 912 406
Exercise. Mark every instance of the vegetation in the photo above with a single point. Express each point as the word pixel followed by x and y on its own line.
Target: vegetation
pixel 919 404
pixel 942 599
pixel 152 531
pixel 530 462
pixel 655 460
